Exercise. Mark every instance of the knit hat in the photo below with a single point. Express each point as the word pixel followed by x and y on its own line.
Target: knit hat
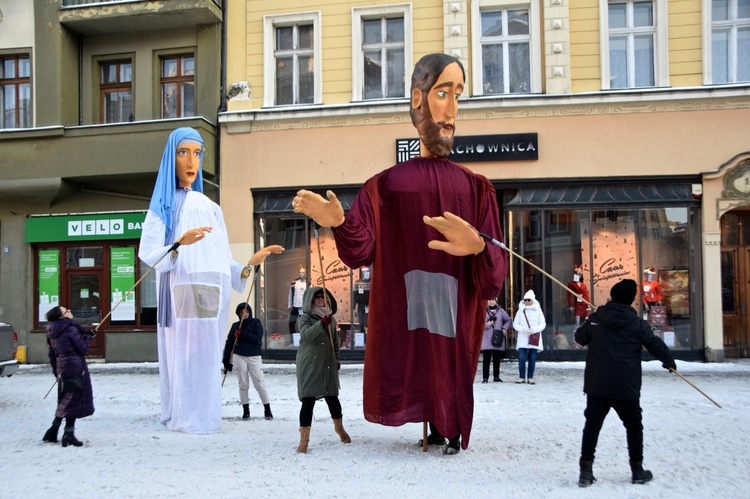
pixel 241 307
pixel 529 295
pixel 624 291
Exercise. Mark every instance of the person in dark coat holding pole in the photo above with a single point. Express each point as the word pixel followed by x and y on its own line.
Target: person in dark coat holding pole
pixel 68 343
pixel 615 336
pixel 242 352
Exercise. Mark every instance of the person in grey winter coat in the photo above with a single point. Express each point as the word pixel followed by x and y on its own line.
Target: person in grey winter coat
pixel 242 354
pixel 615 336
pixel 496 319
pixel 68 343
pixel 318 363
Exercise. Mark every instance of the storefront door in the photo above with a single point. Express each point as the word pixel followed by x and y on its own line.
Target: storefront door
pixel 84 300
pixel 735 283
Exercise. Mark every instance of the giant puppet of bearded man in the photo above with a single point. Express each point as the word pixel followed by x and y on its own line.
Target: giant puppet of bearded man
pixel 428 294
pixel 194 286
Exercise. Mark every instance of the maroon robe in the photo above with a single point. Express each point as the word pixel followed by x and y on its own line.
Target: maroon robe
pixel 426 306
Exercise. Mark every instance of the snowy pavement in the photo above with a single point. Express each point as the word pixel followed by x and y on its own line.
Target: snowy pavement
pixel 524 443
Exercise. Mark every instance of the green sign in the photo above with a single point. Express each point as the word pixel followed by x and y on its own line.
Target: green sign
pixel 49 282
pixel 122 278
pixel 84 227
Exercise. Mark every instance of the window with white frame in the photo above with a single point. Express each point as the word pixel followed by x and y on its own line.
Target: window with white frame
pixel 506 42
pixel 730 41
pixel 382 50
pixel 15 91
pixel 632 39
pixel 634 43
pixel 506 52
pixel 292 70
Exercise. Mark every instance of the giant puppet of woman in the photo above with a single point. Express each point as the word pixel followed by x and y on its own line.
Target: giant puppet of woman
pixel 194 286
pixel 429 295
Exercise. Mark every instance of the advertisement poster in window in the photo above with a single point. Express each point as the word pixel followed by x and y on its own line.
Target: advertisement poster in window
pixel 675 288
pixel 49 282
pixel 122 278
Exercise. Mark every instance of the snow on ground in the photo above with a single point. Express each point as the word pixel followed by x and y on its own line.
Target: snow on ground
pixel 525 441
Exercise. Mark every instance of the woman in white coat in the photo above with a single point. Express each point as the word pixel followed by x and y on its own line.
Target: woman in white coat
pixel 529 323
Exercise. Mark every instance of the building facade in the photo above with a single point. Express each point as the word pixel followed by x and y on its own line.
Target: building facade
pixel 615 133
pixel 90 92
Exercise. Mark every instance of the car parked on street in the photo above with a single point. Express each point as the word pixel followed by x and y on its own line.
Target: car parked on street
pixel 8 348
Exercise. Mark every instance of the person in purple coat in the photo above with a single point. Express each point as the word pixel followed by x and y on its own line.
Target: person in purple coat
pixel 68 343
pixel 496 319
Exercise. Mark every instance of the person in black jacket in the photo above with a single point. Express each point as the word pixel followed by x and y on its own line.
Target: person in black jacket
pixel 615 336
pixel 244 346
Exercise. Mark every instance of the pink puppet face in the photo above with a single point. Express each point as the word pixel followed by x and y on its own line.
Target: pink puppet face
pixel 187 163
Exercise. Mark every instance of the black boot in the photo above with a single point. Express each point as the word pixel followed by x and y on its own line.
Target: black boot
pixel 267 411
pixel 454 446
pixel 434 438
pixel 639 474
pixel 69 438
pixel 245 411
pixel 51 435
pixel 586 477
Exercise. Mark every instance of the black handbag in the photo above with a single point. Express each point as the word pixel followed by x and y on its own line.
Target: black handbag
pixel 72 384
pixel 498 338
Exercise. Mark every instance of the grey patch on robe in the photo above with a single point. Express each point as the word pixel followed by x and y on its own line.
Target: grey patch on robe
pixel 196 301
pixel 431 302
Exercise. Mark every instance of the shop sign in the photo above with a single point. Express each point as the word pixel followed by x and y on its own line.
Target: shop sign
pixel 474 148
pixel 84 227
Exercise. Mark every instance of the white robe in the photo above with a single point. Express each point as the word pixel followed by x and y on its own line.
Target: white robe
pixel 190 350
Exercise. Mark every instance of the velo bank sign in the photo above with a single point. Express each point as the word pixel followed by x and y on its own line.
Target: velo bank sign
pixel 84 227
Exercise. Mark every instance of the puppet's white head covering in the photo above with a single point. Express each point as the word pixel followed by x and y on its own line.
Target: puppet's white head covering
pixel 162 200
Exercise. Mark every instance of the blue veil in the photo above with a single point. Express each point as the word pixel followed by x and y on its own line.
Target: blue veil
pixel 162 200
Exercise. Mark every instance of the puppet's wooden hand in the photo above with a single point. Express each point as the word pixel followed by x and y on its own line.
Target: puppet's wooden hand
pixel 192 236
pixel 326 212
pixel 462 238
pixel 262 254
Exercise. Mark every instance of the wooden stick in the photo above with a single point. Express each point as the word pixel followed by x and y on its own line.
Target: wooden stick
pixel 325 293
pixel 424 436
pixel 501 245
pixel 689 383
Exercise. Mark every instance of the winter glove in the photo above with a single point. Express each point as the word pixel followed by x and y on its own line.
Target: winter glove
pixel 326 320
pixel 92 333
pixel 228 367
pixel 528 330
pixel 669 365
pixel 237 333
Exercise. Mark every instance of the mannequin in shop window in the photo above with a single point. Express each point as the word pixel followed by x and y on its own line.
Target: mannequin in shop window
pixel 361 297
pixel 577 304
pixel 651 289
pixel 296 292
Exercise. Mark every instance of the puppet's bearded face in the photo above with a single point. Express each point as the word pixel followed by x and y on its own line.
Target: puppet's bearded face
pixel 437 113
pixel 187 163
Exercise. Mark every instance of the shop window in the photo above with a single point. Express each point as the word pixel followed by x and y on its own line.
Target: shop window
pixel 283 281
pixel 382 51
pixel 650 245
pixel 15 92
